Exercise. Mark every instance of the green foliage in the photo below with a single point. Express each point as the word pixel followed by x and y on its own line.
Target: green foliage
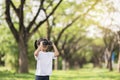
pixel 8 48
pixel 17 3
pixel 98 42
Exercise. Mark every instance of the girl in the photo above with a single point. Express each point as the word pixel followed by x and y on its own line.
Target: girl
pixel 44 59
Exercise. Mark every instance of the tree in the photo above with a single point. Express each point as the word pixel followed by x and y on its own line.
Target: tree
pixel 106 20
pixel 67 20
pixel 118 42
pixel 23 32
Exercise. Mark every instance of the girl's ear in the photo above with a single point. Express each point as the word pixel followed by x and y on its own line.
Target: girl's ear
pixel 35 44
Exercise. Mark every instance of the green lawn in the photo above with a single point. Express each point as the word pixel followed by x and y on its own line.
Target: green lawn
pixel 81 74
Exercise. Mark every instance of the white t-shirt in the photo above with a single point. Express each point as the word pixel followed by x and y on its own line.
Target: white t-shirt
pixel 44 63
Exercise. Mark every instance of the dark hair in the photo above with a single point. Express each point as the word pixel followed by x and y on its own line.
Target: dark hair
pixel 49 43
pixel 37 42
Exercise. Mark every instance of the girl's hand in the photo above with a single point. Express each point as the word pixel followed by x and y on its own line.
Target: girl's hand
pixel 39 47
pixel 37 50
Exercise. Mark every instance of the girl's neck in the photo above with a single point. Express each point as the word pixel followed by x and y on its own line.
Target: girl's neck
pixel 43 50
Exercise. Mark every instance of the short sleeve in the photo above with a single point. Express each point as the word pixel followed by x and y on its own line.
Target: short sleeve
pixel 52 54
pixel 36 58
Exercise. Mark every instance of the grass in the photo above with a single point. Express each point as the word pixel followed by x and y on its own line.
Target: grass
pixel 81 74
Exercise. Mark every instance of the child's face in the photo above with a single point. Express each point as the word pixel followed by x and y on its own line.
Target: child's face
pixel 43 47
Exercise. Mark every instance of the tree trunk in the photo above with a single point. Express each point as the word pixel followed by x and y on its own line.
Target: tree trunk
pixel 119 60
pixel 65 64
pixel 109 63
pixel 56 64
pixel 118 38
pixel 108 59
pixel 119 63
pixel 23 58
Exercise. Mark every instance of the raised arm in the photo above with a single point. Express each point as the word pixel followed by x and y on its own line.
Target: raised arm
pixel 37 51
pixel 56 52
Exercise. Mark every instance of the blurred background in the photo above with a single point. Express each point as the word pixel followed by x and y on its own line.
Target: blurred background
pixel 86 32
